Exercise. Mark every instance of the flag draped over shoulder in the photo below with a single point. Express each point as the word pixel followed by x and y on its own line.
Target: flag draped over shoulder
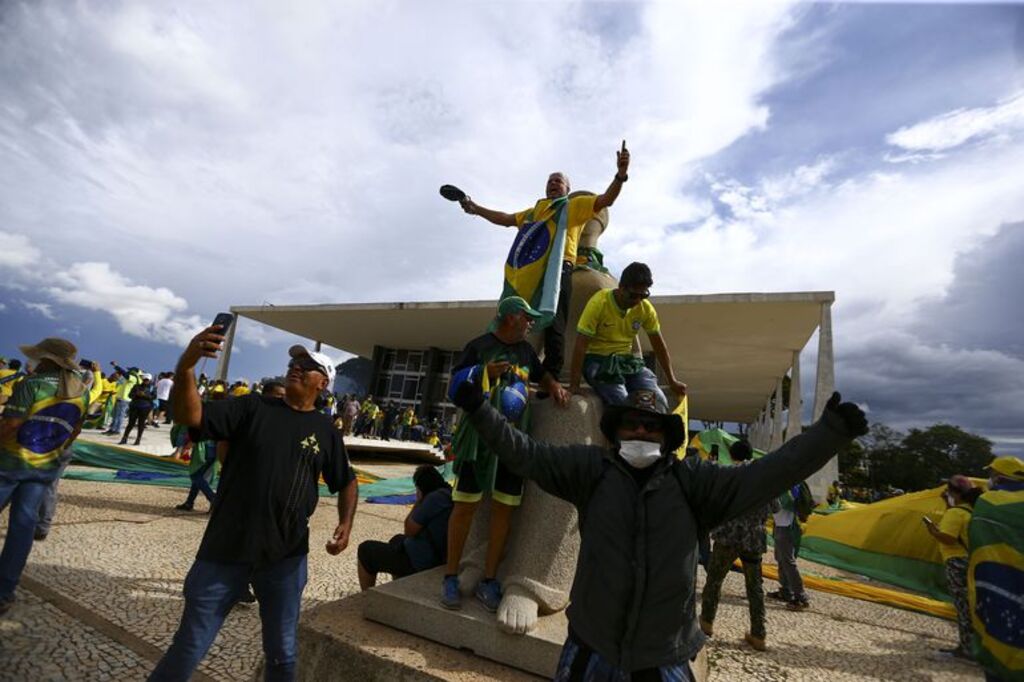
pixel 995 582
pixel 533 269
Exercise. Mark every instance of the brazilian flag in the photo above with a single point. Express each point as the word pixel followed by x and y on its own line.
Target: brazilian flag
pixel 533 269
pixel 995 582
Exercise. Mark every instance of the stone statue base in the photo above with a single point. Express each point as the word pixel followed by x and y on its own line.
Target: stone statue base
pixel 336 643
pixel 412 605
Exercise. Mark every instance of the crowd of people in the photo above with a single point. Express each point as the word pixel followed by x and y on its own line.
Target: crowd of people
pixel 386 420
pixel 643 511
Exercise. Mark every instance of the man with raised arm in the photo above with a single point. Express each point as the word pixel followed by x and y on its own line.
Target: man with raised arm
pixel 259 524
pixel 543 254
pixel 641 511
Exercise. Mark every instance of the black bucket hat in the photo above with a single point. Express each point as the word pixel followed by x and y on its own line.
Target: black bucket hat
pixel 646 402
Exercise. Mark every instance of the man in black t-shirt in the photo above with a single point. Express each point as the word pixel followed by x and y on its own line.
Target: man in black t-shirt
pixel 259 524
pixel 503 362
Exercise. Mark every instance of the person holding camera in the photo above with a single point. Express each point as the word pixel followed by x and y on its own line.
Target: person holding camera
pixel 258 530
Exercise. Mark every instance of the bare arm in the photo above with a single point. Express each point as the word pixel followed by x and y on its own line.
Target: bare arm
pixel 621 175
pixel 348 497
pixel 490 215
pixel 188 408
pixel 579 351
pixel 661 352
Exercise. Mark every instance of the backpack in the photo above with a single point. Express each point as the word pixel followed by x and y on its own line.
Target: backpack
pixel 803 501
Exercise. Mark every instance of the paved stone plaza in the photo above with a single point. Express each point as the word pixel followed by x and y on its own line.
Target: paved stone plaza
pixel 102 597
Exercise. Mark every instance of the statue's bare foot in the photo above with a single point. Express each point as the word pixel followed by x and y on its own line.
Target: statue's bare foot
pixel 469 577
pixel 518 611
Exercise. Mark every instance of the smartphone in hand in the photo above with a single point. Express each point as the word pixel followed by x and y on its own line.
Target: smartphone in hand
pixel 224 321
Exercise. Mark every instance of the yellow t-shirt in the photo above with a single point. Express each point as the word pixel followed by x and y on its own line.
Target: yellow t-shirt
pixel 581 209
pixel 612 329
pixel 954 522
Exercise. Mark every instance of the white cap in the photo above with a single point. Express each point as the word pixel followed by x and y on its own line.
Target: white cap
pixel 319 358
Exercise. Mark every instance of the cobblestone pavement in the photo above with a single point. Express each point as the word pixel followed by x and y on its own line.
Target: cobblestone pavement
pixel 103 597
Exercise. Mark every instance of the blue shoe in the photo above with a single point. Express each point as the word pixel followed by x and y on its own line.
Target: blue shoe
pixel 489 594
pixel 450 597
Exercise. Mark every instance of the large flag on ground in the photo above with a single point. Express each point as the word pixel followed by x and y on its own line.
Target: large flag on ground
pixel 533 269
pixel 995 582
pixel 885 540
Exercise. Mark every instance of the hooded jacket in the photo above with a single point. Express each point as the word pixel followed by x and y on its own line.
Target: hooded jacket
pixel 632 598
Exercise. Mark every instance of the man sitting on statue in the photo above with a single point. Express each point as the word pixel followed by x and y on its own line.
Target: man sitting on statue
pixel 605 333
pixel 501 362
pixel 543 254
pixel 641 510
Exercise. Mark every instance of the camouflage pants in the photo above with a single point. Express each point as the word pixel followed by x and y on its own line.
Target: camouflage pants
pixel 722 558
pixel 956 579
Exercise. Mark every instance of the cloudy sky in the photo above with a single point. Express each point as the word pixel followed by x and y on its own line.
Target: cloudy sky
pixel 159 163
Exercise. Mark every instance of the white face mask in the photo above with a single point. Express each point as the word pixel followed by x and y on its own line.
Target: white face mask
pixel 640 454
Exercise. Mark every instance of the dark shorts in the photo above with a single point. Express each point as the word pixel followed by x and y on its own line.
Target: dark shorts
pixel 507 487
pixel 386 557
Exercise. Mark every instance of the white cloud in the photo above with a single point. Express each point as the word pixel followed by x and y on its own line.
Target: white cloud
pixel 306 173
pixel 153 313
pixel 16 251
pixel 955 128
pixel 3 307
pixel 44 309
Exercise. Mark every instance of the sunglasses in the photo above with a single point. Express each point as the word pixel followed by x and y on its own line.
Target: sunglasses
pixel 306 364
pixel 633 422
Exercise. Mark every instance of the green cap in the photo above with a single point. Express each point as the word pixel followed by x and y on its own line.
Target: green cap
pixel 515 304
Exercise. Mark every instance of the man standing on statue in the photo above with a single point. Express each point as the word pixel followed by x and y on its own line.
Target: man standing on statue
pixel 543 254
pixel 502 362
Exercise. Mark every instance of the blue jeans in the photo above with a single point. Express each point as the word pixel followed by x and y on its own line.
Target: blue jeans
pixel 617 394
pixel 48 506
pixel 211 589
pixel 120 412
pixel 24 491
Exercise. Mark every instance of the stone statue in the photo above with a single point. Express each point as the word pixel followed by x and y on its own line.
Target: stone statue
pixel 540 557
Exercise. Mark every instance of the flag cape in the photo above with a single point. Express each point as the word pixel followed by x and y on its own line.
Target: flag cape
pixel 533 269
pixel 995 582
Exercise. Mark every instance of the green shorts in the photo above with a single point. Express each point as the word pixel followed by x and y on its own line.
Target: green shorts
pixel 506 488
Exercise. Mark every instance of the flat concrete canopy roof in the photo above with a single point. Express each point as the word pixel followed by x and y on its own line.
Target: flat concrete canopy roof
pixel 729 348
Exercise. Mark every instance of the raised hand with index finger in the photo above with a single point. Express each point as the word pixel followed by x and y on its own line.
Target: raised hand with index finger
pixel 622 162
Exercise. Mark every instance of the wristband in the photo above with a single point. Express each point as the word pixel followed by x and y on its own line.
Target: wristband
pixel 622 178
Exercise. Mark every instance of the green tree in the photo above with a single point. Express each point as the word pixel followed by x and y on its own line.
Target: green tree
pixel 942 450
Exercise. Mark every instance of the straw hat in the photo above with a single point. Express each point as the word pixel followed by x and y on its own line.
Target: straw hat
pixel 60 351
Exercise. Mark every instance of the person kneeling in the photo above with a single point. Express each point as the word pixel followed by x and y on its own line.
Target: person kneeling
pixel 422 546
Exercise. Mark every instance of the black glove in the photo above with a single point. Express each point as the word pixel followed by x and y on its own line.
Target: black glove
pixel 853 417
pixel 469 396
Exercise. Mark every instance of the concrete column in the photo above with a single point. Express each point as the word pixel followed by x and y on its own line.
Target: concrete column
pixel 225 353
pixel 824 386
pixel 796 404
pixel 776 439
pixel 825 381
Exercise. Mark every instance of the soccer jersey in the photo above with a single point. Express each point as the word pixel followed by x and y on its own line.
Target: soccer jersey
pixel 612 329
pixel 581 209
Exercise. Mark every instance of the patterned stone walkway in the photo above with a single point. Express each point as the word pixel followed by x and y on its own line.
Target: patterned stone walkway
pixel 103 597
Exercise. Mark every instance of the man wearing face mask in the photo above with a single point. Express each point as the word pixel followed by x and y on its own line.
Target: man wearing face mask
pixel 641 510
